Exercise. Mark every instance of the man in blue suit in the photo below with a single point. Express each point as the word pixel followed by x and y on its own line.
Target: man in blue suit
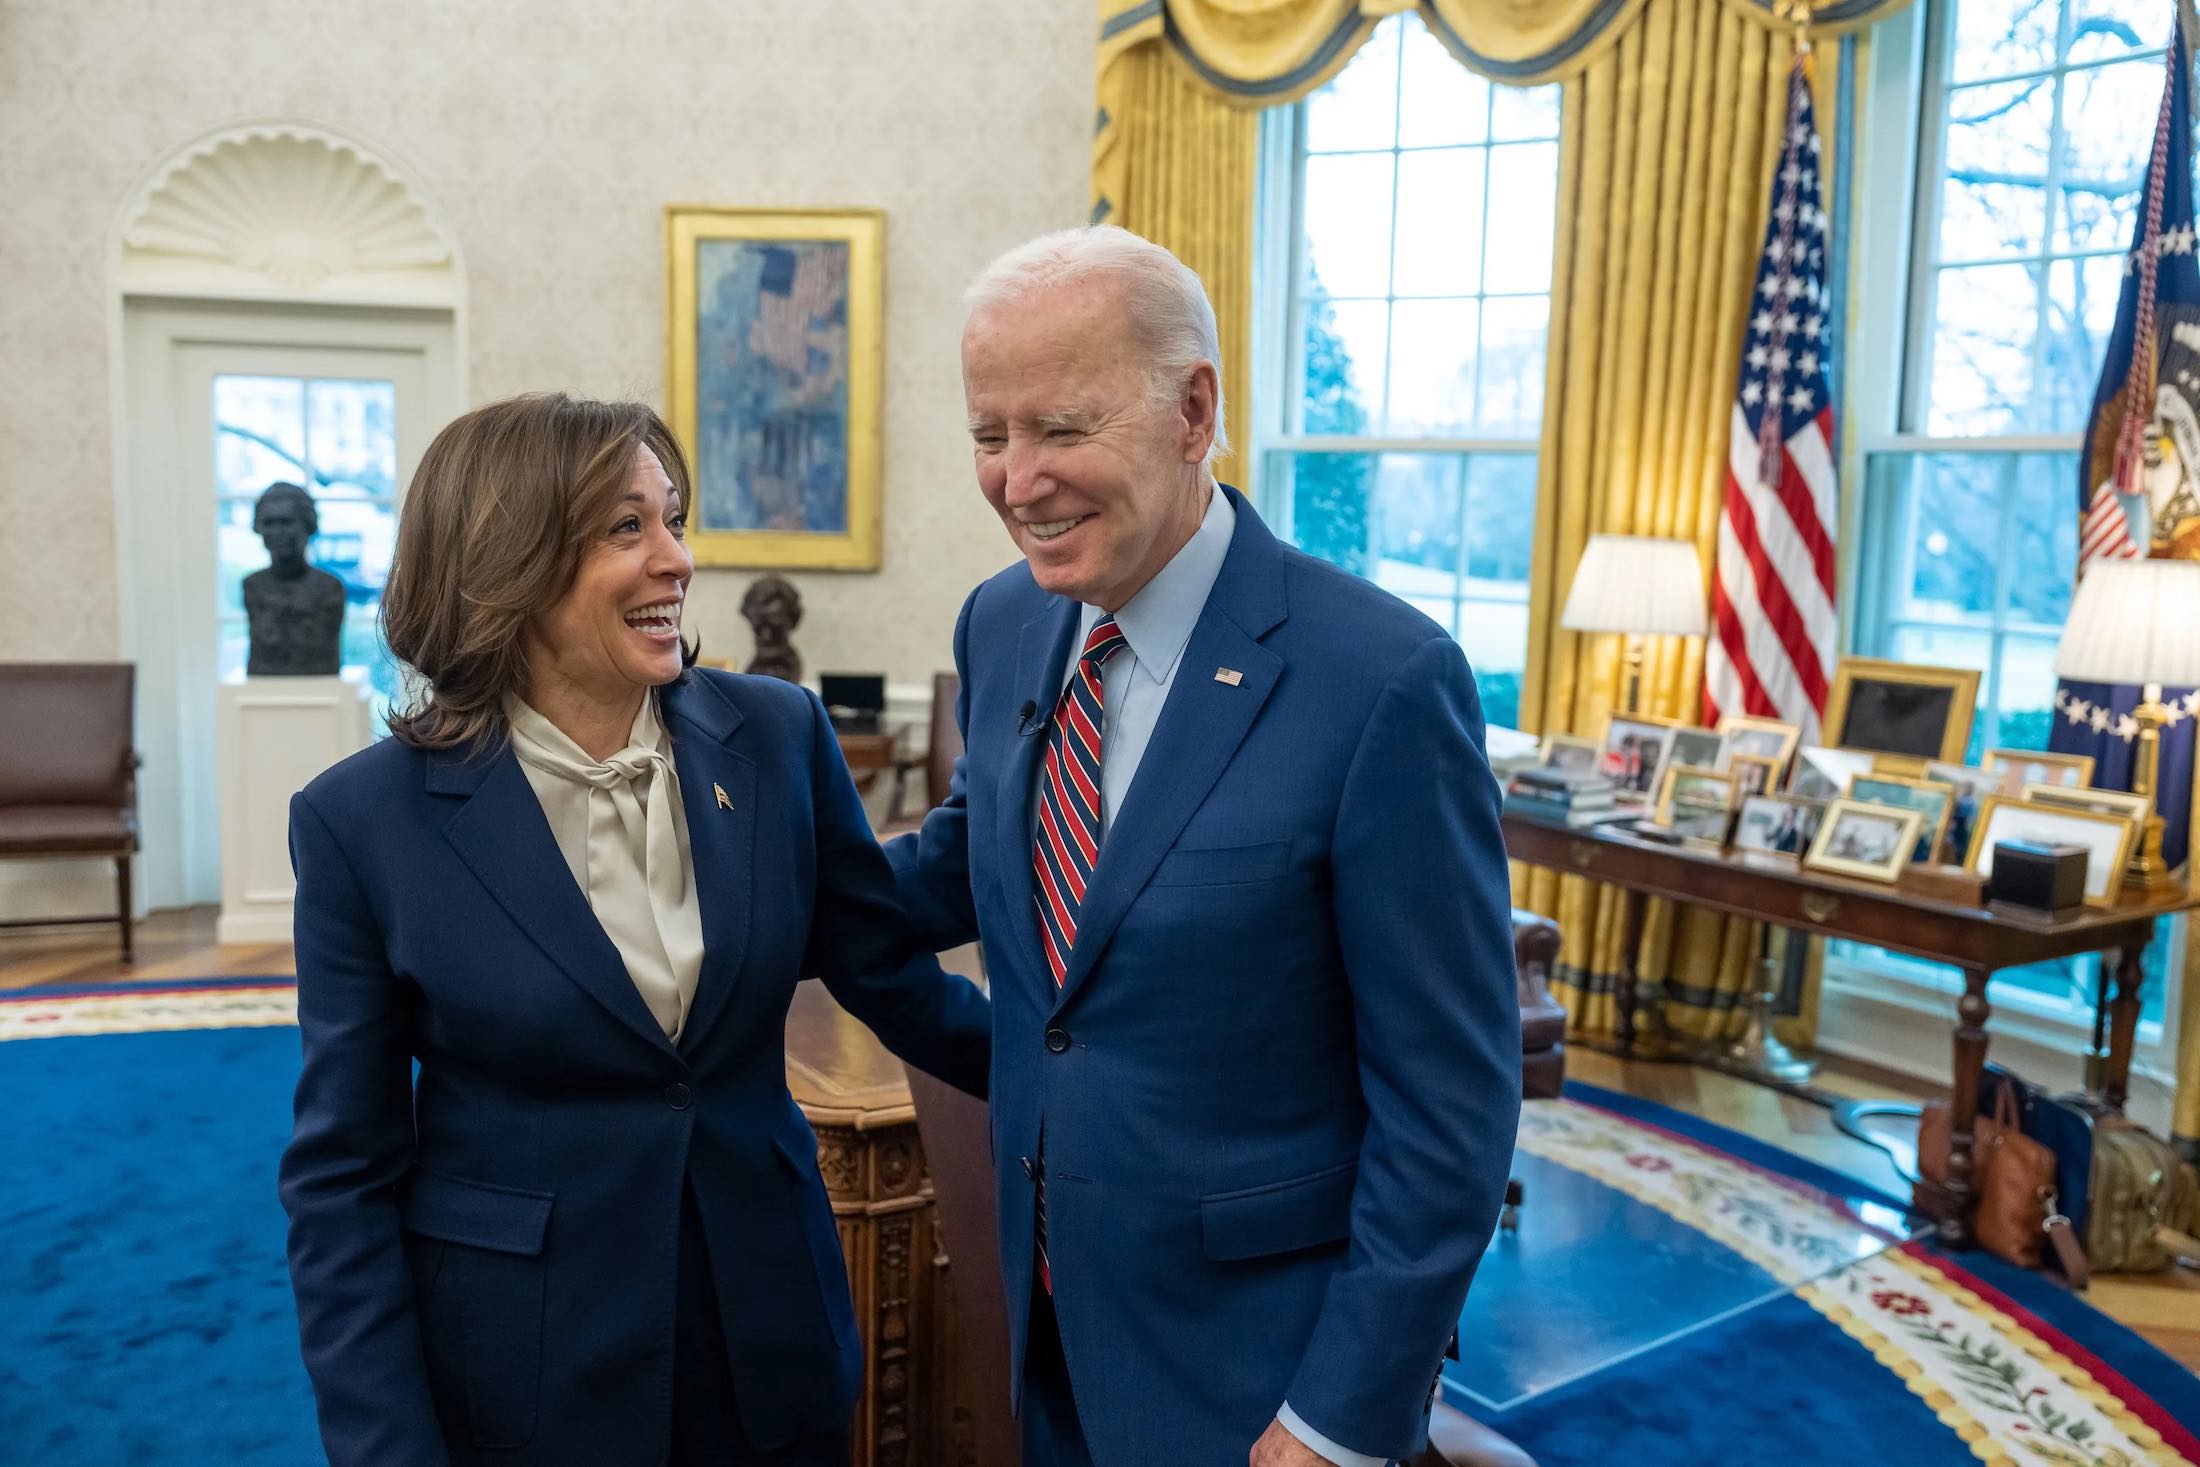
pixel 1226 832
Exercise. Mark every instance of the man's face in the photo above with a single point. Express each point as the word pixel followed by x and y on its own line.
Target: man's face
pixel 282 528
pixel 1098 486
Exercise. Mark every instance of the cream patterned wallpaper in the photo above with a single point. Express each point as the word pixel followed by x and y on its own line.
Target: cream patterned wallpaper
pixel 551 133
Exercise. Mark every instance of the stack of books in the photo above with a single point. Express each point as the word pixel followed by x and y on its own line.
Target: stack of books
pixel 1578 797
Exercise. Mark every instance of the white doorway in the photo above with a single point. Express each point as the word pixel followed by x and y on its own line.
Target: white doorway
pixel 225 399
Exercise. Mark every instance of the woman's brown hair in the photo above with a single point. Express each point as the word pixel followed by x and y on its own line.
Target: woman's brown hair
pixel 505 503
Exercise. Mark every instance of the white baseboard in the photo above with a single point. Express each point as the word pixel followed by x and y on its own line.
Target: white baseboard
pixel 1897 1026
pixel 255 928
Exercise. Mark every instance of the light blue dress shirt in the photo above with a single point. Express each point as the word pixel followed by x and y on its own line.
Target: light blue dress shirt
pixel 1158 623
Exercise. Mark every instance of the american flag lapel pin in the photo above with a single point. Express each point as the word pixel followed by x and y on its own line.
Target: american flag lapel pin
pixel 725 802
pixel 1229 675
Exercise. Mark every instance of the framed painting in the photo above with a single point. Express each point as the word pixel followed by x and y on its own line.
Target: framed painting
pixel 1918 713
pixel 773 366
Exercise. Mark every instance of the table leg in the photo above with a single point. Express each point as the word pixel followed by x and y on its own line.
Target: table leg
pixel 2123 1027
pixel 1632 1020
pixel 1972 1012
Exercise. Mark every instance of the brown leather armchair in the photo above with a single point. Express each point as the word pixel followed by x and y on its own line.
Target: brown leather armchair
pixel 958 1154
pixel 68 771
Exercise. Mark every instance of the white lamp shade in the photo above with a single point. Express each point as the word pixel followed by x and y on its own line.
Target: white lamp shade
pixel 2134 621
pixel 1633 583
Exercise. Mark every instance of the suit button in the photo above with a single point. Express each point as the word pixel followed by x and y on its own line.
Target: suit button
pixel 678 1096
pixel 1058 1040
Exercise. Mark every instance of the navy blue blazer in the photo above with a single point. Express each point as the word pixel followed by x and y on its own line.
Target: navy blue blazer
pixel 1280 1083
pixel 484 1257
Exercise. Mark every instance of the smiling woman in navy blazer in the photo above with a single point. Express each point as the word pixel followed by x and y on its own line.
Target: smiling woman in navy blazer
pixel 577 887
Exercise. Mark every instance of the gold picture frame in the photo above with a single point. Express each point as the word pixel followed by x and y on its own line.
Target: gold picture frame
pixel 1998 760
pixel 1577 752
pixel 2108 839
pixel 1735 723
pixel 1880 680
pixel 2123 804
pixel 1933 800
pixel 790 478
pixel 1886 866
pixel 1739 766
pixel 1668 790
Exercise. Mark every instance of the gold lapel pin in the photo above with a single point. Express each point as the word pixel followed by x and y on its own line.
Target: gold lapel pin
pixel 1229 675
pixel 724 802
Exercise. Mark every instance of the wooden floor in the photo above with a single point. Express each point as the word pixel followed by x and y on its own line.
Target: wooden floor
pixel 2165 1308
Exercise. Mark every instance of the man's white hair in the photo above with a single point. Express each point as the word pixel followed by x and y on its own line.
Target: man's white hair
pixel 1169 308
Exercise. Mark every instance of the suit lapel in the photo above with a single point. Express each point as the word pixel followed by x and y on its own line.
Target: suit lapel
pixel 501 833
pixel 721 839
pixel 1041 654
pixel 1201 726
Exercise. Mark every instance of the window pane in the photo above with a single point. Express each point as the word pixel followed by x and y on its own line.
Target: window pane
pixel 1524 182
pixel 1432 347
pixel 1500 532
pixel 2104 156
pixel 2081 312
pixel 1359 106
pixel 259 433
pixel 1439 100
pixel 1348 223
pixel 1984 320
pixel 1329 495
pixel 1523 114
pixel 351 430
pixel 2000 37
pixel 1956 503
pixel 1514 332
pixel 2044 550
pixel 1993 204
pixel 1347 345
pixel 2027 693
pixel 2102 28
pixel 1440 222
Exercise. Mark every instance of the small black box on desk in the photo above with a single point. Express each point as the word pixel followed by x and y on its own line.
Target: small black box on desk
pixel 2047 878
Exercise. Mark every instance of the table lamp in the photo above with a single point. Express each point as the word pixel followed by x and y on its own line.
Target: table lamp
pixel 2138 621
pixel 1638 587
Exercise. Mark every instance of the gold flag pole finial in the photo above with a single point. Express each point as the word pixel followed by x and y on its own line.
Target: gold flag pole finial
pixel 1799 12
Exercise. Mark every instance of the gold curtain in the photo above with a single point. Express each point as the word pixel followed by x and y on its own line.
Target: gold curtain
pixel 1666 146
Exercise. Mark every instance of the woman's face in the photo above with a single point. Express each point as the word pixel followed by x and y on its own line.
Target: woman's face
pixel 617 629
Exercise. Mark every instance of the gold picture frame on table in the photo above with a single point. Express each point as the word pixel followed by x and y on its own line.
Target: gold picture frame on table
pixel 1858 838
pixel 774 366
pixel 1696 804
pixel 2107 840
pixel 2020 767
pixel 1764 737
pixel 1893 708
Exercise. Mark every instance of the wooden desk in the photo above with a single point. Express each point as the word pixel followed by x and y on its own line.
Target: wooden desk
pixel 911 1412
pixel 1775 889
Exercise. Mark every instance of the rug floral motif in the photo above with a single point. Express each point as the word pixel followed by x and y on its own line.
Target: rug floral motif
pixel 148 1009
pixel 2010 1395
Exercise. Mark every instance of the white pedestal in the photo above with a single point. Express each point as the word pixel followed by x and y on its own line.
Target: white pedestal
pixel 273 735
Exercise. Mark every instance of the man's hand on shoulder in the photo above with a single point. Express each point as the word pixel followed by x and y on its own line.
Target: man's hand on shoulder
pixel 1277 1447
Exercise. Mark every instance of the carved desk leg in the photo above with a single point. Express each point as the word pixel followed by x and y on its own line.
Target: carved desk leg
pixel 2123 1028
pixel 1636 1027
pixel 1972 1012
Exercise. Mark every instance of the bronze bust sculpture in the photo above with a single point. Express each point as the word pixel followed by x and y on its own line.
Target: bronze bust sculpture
pixel 773 607
pixel 294 612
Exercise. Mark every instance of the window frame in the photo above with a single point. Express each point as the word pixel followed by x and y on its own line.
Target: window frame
pixel 1889 1011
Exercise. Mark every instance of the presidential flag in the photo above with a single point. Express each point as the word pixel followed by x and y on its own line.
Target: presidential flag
pixel 2139 467
pixel 1772 646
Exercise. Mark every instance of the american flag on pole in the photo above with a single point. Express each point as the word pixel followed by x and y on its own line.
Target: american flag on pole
pixel 1771 651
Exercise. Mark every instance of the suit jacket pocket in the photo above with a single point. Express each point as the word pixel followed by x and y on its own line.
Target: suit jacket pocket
pixel 488 1295
pixel 1279 1217
pixel 1222 865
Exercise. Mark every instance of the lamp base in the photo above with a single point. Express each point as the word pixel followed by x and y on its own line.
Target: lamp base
pixel 2146 872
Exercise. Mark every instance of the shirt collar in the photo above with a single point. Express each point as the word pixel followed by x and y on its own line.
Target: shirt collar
pixel 1158 621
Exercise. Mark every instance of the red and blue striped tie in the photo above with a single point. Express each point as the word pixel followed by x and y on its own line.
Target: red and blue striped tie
pixel 1068 846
